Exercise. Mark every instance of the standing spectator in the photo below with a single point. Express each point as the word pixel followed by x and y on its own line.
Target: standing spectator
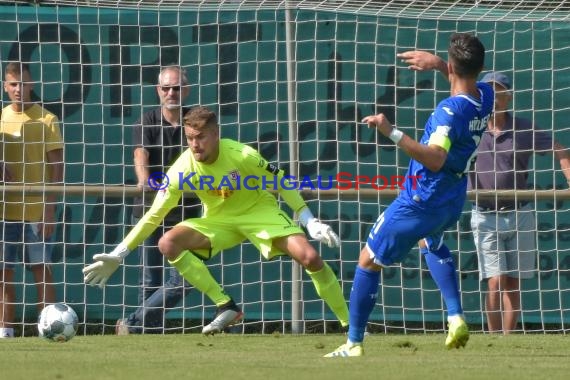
pixel 505 229
pixel 158 140
pixel 423 211
pixel 33 152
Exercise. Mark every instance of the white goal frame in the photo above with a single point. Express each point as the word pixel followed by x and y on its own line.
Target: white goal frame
pixel 522 38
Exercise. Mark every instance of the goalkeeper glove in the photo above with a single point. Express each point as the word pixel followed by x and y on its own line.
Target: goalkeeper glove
pixel 317 230
pixel 104 266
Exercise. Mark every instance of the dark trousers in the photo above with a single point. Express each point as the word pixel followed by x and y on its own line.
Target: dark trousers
pixel 160 288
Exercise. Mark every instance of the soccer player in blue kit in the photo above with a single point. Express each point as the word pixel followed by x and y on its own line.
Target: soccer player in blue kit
pixel 422 213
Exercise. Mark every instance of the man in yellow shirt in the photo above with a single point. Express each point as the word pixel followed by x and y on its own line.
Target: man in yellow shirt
pixel 33 153
pixel 232 180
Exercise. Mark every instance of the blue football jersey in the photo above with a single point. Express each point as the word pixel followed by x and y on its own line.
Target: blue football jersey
pixel 462 119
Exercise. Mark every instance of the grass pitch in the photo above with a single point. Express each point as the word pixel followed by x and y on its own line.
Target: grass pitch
pixel 289 357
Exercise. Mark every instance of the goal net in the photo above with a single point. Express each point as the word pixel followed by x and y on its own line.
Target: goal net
pixel 292 79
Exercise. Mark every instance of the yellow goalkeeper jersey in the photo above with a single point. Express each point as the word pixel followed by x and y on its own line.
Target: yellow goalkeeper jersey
pixel 237 183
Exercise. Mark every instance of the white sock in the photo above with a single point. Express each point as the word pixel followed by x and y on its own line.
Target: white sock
pixel 451 318
pixel 6 332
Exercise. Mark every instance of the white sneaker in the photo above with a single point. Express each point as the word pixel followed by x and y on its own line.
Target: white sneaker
pixel 226 315
pixel 347 350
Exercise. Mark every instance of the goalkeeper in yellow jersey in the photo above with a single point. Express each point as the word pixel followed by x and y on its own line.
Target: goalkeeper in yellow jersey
pixel 232 181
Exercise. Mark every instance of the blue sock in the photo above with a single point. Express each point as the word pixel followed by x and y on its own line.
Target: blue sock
pixel 442 269
pixel 363 296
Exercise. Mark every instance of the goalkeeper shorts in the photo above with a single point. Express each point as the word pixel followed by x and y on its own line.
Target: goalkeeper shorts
pixel 260 228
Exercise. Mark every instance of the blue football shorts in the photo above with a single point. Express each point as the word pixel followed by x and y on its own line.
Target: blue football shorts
pixel 403 224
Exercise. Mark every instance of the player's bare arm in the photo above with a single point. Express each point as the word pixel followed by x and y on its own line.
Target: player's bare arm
pixel 420 60
pixel 431 156
pixel 141 160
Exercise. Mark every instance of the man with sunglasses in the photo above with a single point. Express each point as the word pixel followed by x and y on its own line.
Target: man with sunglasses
pixel 158 140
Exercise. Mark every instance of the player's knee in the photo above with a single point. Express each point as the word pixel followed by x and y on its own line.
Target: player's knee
pixel 311 261
pixel 168 247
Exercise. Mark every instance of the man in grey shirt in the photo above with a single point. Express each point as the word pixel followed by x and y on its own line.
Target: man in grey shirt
pixel 505 230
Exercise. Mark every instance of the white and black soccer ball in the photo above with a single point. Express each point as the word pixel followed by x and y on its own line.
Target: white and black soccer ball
pixel 57 323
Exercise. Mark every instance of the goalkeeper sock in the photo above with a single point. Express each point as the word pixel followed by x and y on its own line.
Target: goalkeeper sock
pixel 442 269
pixel 363 297
pixel 328 288
pixel 197 274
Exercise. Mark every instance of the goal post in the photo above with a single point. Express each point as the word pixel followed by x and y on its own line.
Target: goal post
pixel 292 79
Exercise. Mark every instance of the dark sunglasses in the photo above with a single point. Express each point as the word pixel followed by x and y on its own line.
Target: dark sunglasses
pixel 168 88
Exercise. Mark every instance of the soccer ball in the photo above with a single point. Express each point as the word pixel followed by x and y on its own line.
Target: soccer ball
pixel 57 323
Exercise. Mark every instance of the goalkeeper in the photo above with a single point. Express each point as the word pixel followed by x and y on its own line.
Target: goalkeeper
pixel 230 217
